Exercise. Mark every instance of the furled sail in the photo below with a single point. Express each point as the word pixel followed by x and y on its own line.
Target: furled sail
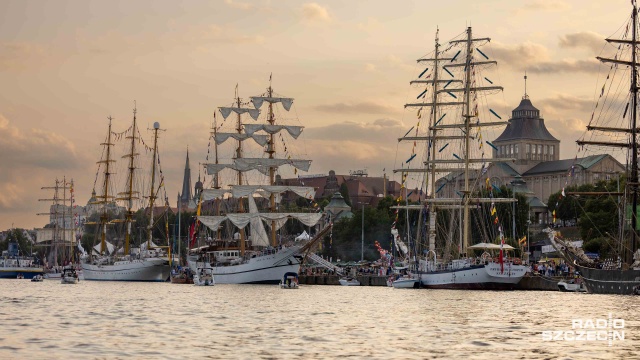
pixel 210 194
pixel 263 164
pixel 259 100
pixel 212 222
pixel 213 169
pixel 260 139
pixel 226 111
pixel 306 192
pixel 294 131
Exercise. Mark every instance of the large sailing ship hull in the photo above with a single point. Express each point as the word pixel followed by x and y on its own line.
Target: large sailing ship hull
pixel 152 269
pixel 475 277
pixel 600 281
pixel 263 269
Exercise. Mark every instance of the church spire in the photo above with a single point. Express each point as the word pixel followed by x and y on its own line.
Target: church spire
pixel 185 196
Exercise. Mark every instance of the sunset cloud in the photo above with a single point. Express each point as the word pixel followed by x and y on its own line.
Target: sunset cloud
pixel 585 39
pixel 312 12
pixel 366 107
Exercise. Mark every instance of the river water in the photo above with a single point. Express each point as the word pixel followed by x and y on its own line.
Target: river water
pixel 49 320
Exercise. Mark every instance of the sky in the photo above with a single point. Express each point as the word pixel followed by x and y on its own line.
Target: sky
pixel 65 66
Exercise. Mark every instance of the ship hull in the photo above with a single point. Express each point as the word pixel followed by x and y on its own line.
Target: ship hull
pixel 264 269
pixel 12 272
pixel 620 282
pixel 475 277
pixel 152 269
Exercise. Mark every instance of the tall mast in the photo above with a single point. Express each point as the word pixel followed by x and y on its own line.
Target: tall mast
pixel 56 202
pixel 216 179
pixel 64 216
pixel 467 121
pixel 239 156
pixel 129 194
pixel 434 132
pixel 105 192
pixel 152 193
pixel 634 140
pixel 271 151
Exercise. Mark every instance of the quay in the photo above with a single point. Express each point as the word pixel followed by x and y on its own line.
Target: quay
pixel 529 282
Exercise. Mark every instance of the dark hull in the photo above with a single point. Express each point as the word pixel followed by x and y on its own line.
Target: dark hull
pixel 178 280
pixel 620 282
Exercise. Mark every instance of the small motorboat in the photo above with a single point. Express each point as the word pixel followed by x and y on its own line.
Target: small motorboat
pixel 69 276
pixel 571 286
pixel 182 276
pixel 405 282
pixel 204 277
pixel 37 278
pixel 349 281
pixel 289 281
pixel 20 276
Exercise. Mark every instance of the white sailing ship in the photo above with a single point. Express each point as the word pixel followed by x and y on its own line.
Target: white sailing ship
pixel 108 262
pixel 461 136
pixel 248 254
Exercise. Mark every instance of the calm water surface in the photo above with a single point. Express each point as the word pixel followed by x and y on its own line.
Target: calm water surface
pixel 49 320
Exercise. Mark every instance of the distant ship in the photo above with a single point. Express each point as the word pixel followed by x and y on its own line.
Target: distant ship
pixel 108 262
pixel 12 264
pixel 450 89
pixel 246 253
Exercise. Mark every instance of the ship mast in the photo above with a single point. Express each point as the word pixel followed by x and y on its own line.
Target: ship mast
pixel 432 122
pixel 271 151
pixel 56 203
pixel 152 193
pixel 104 218
pixel 239 156
pixel 129 194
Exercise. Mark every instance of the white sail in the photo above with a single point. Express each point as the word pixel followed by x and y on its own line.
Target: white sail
pixel 213 169
pixel 110 248
pixel 259 100
pixel 263 164
pixel 212 222
pixel 226 111
pixel 210 194
pixel 260 139
pixel 293 130
pixel 306 192
pixel 259 236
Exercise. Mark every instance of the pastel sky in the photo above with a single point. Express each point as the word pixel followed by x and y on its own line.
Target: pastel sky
pixel 65 66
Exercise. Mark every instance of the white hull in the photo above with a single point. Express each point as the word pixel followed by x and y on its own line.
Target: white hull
pixel 69 280
pixel 405 283
pixel 265 269
pixel 149 269
pixel 568 287
pixel 349 282
pixel 203 281
pixel 483 277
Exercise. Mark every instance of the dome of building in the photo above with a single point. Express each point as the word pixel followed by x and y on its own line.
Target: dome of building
pixel 525 123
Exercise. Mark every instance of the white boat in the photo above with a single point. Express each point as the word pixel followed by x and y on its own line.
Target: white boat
pixel 290 281
pixel 349 281
pixel 37 278
pixel 69 276
pixel 106 262
pixel 571 286
pixel 453 79
pixel 253 254
pixel 203 277
pixel 406 282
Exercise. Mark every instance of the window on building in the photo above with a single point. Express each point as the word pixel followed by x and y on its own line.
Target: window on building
pixel 516 148
pixel 511 149
pixel 551 149
pixel 534 150
pixel 540 150
pixel 608 177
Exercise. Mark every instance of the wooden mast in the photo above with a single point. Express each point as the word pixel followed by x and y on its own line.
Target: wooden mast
pixel 271 151
pixel 239 156
pixel 105 193
pixel 129 194
pixel 467 120
pixel 152 195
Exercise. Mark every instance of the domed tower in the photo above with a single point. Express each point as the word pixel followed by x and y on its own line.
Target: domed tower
pixel 526 138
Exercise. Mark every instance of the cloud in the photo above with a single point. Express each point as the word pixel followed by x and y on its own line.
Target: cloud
pixel 380 131
pixel 396 62
pixel 312 12
pixel 26 155
pixel 585 39
pixel 566 102
pixel 369 67
pixel 370 25
pixel 366 107
pixel 218 34
pixel 546 5
pixel 535 58
pixel 238 5
pixel 18 55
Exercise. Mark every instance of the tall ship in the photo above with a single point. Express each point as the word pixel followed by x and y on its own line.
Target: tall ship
pixel 453 88
pixel 614 126
pixel 244 239
pixel 118 260
pixel 13 265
